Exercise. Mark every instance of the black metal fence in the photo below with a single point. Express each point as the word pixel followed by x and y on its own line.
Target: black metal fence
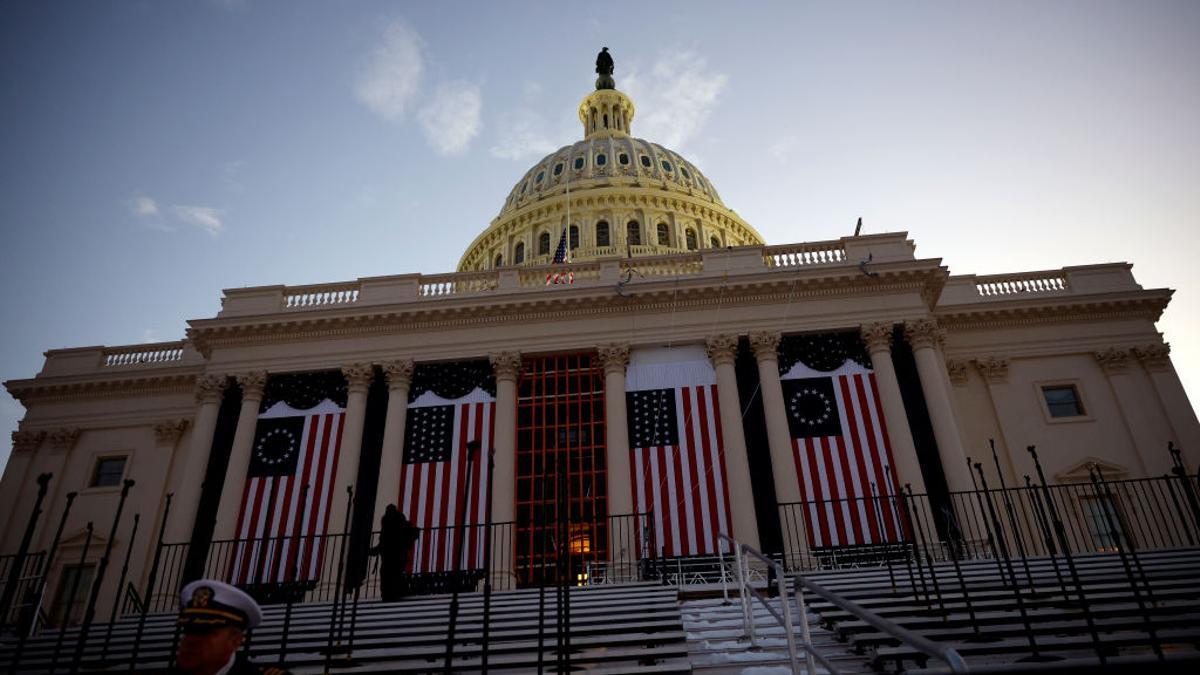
pixel 27 589
pixel 1100 516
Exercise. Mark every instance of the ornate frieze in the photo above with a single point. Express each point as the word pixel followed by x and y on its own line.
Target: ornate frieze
pixel 877 336
pixel 27 441
pixel 358 376
pixel 765 345
pixel 252 384
pixel 398 373
pixel 167 432
pixel 506 364
pixel 614 357
pixel 957 370
pixel 924 333
pixel 721 349
pixel 1113 359
pixel 1154 357
pixel 63 439
pixel 992 368
pixel 209 388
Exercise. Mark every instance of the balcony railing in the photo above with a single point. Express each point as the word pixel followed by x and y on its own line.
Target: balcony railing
pixel 134 355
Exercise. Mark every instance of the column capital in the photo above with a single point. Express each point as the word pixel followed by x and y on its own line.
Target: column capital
pixel 1113 359
pixel 506 365
pixel 721 349
pixel 210 387
pixel 358 376
pixel 992 368
pixel 398 373
pixel 167 432
pixel 957 370
pixel 765 345
pixel 614 357
pixel 27 441
pixel 64 438
pixel 252 384
pixel 877 336
pixel 923 333
pixel 1154 357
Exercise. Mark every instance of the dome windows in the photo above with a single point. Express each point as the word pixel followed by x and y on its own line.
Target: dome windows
pixel 683 170
pixel 519 253
pixel 633 233
pixel 690 238
pixel 558 169
pixel 664 235
pixel 716 243
pixel 623 159
pixel 524 186
pixel 541 175
pixel 602 238
pixel 579 162
pixel 601 159
pixel 646 161
pixel 666 166
pixel 499 260
pixel 544 243
pixel 574 237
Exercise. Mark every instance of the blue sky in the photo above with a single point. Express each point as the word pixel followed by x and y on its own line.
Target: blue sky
pixel 152 154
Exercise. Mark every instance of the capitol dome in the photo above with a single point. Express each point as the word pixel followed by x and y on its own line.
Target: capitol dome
pixel 628 197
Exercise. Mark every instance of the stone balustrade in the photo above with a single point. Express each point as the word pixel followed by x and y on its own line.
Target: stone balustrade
pixel 438 285
pixel 134 355
pixel 1075 280
pixel 320 295
pixel 797 255
pixel 1030 282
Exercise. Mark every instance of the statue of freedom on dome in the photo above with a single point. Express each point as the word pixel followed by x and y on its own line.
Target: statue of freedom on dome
pixel 604 68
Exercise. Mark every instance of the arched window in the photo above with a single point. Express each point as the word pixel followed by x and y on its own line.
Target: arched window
pixel 633 232
pixel 544 243
pixel 664 235
pixel 499 260
pixel 519 253
pixel 716 243
pixel 602 233
pixel 574 237
pixel 689 237
pixel 578 163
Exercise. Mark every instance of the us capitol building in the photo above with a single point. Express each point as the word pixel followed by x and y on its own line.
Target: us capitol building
pixel 646 369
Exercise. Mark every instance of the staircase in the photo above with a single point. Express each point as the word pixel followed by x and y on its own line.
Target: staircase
pixel 629 628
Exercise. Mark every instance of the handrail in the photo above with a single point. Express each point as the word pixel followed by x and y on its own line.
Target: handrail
pixel 784 616
pixel 918 642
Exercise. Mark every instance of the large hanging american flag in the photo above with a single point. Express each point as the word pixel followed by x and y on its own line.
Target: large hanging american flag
pixel 843 459
pixel 434 480
pixel 288 491
pixel 562 256
pixel 675 448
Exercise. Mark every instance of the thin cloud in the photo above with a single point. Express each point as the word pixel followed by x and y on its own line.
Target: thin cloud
pixel 203 217
pixel 143 207
pixel 391 77
pixel 452 118
pixel 521 135
pixel 674 98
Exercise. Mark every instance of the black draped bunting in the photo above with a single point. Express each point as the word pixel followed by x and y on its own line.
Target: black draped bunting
pixel 822 351
pixel 453 379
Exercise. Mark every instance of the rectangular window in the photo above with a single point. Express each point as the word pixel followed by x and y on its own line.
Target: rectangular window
pixel 1104 523
pixel 74 587
pixel 1062 401
pixel 109 471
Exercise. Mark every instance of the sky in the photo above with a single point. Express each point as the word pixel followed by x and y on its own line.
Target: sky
pixel 155 153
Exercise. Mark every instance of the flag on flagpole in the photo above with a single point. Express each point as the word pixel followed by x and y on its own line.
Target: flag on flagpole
pixel 281 525
pixel 562 256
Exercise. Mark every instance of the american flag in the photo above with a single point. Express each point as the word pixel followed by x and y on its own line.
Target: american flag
pixel 843 459
pixel 433 482
pixel 677 457
pixel 283 521
pixel 562 256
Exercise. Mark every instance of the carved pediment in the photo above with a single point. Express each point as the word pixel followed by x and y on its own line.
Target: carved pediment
pixel 1078 473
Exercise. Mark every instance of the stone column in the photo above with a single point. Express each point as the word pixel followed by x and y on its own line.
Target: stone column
pixel 166 441
pixel 239 456
pixel 391 458
pixel 779 439
pixel 878 339
pixel 615 358
pixel 189 480
pixel 504 477
pixel 722 350
pixel 358 383
pixel 1149 429
pixel 924 336
pixel 1156 361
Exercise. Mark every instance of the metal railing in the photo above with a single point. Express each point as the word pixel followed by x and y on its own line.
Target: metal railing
pixel 918 642
pixel 746 593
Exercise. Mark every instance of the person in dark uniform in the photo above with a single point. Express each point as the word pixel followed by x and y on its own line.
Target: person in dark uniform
pixel 396 538
pixel 214 620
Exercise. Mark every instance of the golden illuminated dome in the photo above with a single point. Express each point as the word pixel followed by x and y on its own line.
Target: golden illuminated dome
pixel 628 198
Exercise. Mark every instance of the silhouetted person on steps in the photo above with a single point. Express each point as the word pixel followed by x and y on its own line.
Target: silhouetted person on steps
pixel 396 538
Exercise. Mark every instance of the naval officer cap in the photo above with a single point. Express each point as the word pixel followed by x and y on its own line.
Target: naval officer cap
pixel 209 604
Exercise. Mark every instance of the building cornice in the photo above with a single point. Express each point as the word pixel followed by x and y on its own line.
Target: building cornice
pixel 1147 305
pixel 65 388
